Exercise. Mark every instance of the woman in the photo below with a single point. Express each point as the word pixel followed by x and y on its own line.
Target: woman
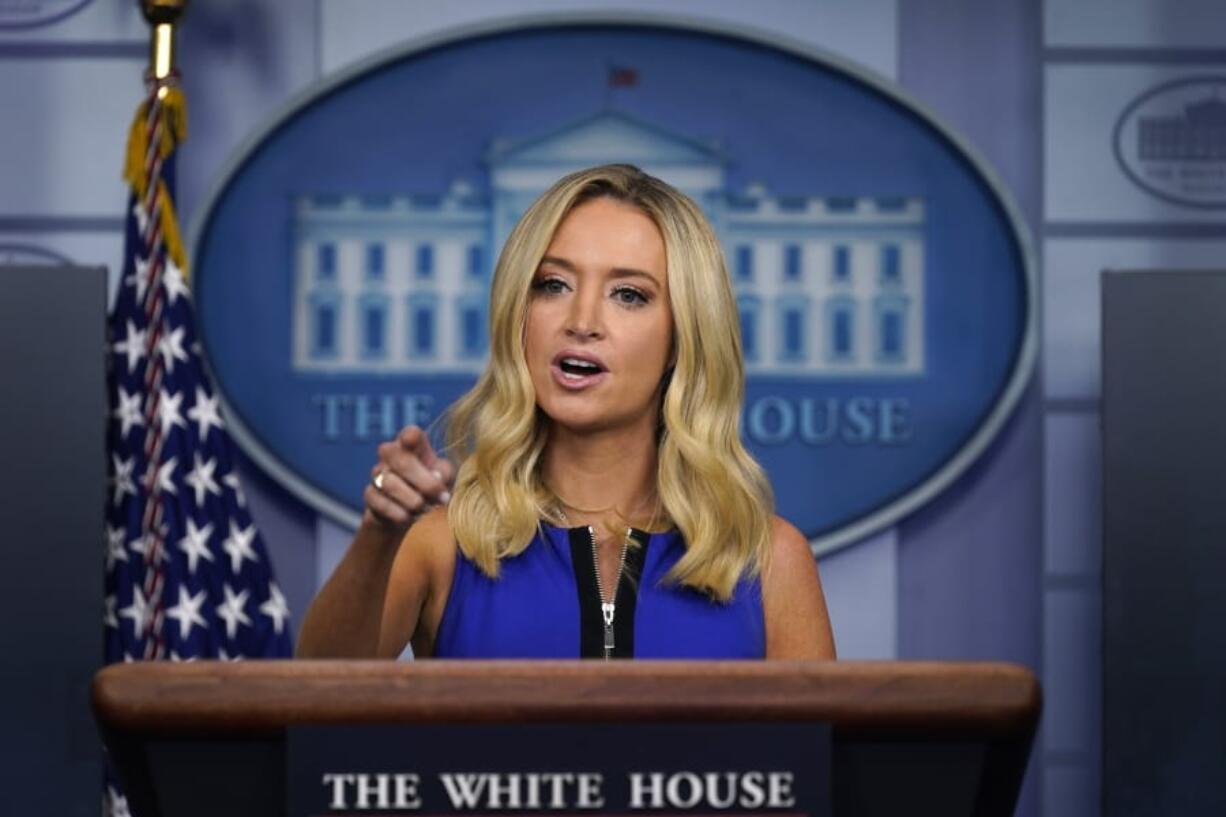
pixel 604 504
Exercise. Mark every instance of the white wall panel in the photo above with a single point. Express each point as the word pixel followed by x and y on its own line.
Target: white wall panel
pixel 861 585
pixel 1072 325
pixel 66 124
pixel 1135 23
pixel 241 61
pixel 1083 179
pixel 1072 488
pixel 864 32
pixel 1072 671
pixel 97 21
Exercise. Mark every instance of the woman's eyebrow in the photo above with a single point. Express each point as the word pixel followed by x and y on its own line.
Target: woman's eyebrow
pixel 616 272
pixel 630 272
pixel 559 262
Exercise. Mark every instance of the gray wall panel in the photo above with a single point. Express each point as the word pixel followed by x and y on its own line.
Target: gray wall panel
pixel 1164 555
pixel 52 490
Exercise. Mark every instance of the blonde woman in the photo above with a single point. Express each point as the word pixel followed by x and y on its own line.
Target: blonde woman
pixel 603 505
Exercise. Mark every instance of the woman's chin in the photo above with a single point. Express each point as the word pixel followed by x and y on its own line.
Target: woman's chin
pixel 581 420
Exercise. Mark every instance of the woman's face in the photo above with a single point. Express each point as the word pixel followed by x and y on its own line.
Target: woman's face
pixel 600 328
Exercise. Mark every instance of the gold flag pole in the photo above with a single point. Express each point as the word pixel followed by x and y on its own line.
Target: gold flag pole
pixel 163 16
pixel 159 126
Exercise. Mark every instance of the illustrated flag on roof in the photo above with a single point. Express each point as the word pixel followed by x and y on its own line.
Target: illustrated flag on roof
pixel 186 573
pixel 622 77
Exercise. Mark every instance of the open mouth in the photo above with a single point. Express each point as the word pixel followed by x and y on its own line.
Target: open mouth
pixel 578 367
pixel 577 370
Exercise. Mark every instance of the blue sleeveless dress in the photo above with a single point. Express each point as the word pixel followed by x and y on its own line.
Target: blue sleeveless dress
pixel 545 604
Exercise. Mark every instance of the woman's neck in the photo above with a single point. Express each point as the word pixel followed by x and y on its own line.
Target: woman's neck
pixel 603 475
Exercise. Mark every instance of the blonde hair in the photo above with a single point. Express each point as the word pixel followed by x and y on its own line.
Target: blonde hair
pixel 708 485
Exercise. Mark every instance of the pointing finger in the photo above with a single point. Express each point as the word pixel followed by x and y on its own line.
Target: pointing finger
pixel 417 441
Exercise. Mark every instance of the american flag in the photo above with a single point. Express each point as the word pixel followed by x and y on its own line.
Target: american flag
pixel 186 573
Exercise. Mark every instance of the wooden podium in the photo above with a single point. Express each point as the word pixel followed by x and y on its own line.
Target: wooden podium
pixel 209 738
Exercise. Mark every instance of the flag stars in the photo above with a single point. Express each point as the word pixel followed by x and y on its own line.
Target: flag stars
pixel 122 479
pixel 187 612
pixel 172 280
pixel 140 278
pixel 231 482
pixel 168 410
pixel 128 412
pixel 275 608
pixel 115 550
pixel 162 549
pixel 141 216
pixel 231 610
pixel 138 612
pixel 144 544
pixel 165 478
pixel 132 346
pixel 204 413
pixel 196 545
pixel 200 479
pixel 141 546
pixel 108 613
pixel 238 545
pixel 170 347
pixel 116 804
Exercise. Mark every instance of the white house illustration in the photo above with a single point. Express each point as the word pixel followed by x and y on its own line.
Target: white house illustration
pixel 826 286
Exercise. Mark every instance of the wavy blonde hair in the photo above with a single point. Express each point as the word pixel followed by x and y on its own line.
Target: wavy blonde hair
pixel 708 485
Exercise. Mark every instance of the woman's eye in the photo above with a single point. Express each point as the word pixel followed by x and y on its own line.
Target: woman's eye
pixel 549 286
pixel 630 296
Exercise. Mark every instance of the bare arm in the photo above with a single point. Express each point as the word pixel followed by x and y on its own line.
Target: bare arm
pixel 344 620
pixel 797 623
pixel 387 562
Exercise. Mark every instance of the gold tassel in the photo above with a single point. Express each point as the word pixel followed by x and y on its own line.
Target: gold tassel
pixel 138 143
pixel 174 109
pixel 170 230
pixel 173 131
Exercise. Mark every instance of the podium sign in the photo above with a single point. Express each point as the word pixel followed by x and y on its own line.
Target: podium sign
pixel 874 739
pixel 559 769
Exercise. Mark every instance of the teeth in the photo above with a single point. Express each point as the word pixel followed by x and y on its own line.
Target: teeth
pixel 576 369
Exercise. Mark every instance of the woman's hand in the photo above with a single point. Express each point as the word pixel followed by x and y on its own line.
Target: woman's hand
pixel 407 481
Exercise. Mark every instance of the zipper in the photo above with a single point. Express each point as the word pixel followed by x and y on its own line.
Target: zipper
pixel 608 609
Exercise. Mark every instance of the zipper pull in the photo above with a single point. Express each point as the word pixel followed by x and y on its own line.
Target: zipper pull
pixel 609 610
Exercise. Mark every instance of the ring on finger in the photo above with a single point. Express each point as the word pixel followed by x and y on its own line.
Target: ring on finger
pixel 377 481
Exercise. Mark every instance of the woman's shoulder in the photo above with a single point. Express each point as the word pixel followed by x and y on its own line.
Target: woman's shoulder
pixel 787 543
pixel 430 540
pixel 797 623
pixel 421 579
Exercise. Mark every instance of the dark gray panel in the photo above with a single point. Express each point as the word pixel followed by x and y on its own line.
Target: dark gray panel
pixel 1164 543
pixel 52 490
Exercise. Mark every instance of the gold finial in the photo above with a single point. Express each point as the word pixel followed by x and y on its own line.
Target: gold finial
pixel 162 15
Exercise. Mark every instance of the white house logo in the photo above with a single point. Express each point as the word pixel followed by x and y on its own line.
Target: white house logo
pixel 885 297
pixel 826 286
pixel 1171 141
pixel 34 13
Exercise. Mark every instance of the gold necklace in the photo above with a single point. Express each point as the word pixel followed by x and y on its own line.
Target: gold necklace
pixel 563 505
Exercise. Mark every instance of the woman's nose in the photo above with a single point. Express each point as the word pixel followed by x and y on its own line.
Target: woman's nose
pixel 584 319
